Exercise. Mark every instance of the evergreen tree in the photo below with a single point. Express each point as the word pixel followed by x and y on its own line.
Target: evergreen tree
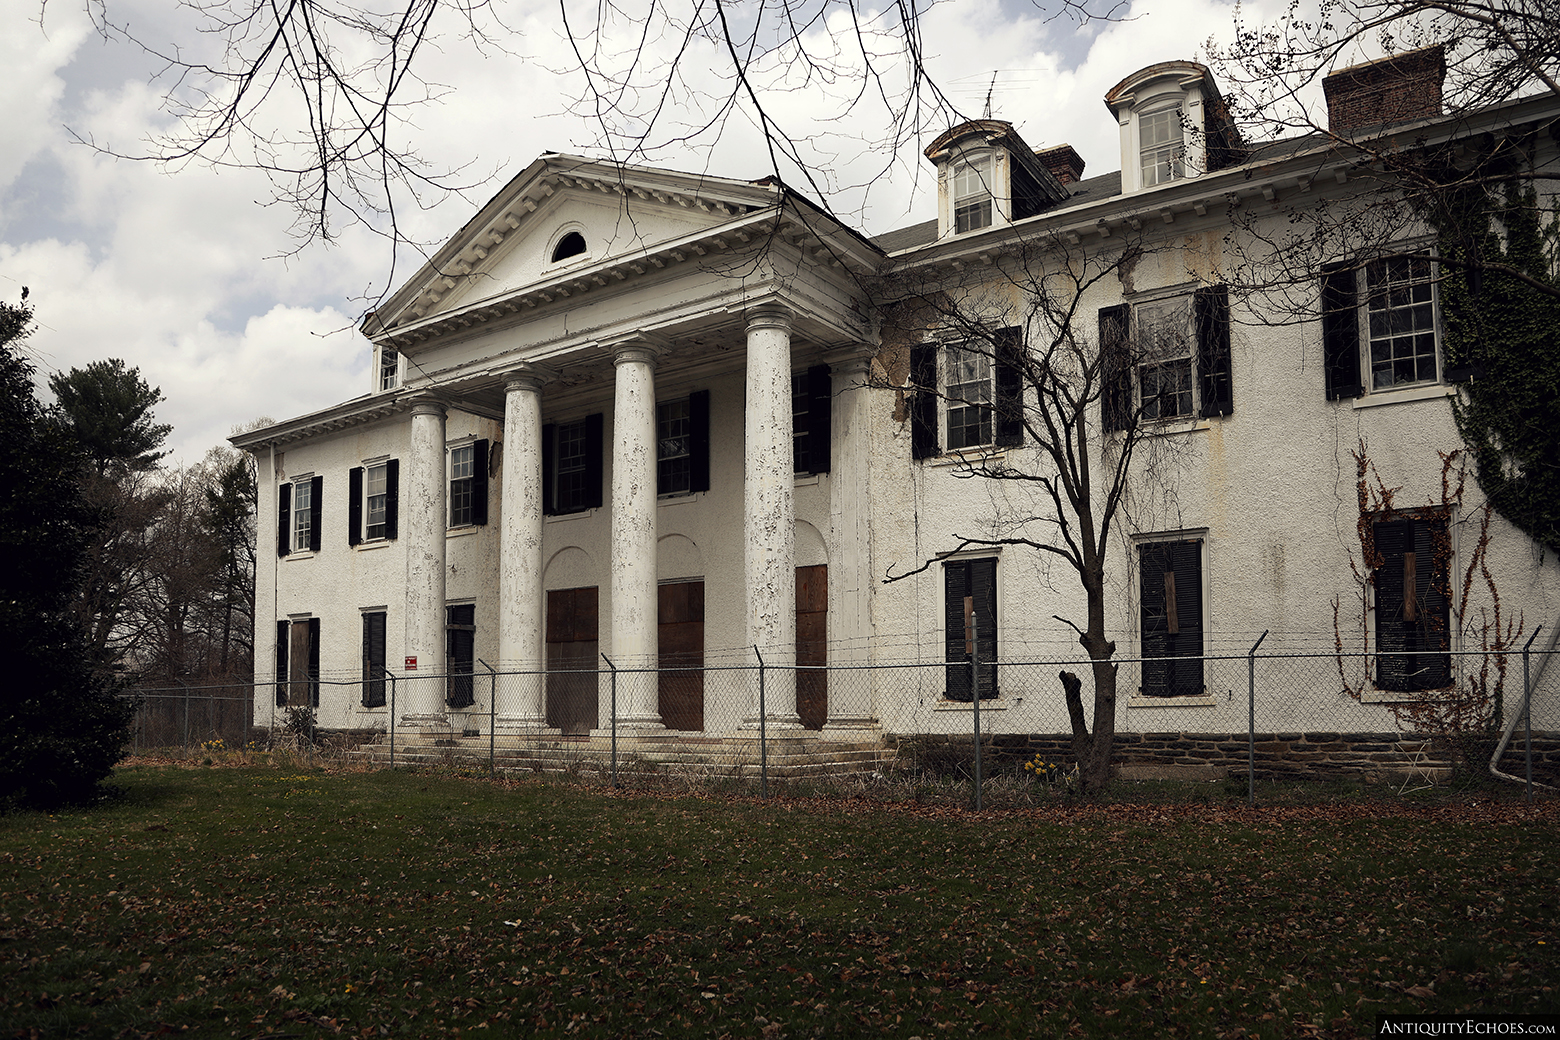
pixel 62 727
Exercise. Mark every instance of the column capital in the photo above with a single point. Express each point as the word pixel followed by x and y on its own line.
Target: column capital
pixel 429 406
pixel 525 376
pixel 642 348
pixel 770 315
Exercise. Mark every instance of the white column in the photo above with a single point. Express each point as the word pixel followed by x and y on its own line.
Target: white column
pixel 423 524
pixel 520 632
pixel 850 568
pixel 635 638
pixel 769 511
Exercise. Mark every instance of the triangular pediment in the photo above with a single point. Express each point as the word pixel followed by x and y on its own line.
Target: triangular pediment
pixel 615 211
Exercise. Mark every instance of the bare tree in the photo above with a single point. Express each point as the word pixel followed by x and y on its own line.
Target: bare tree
pixel 1081 400
pixel 322 96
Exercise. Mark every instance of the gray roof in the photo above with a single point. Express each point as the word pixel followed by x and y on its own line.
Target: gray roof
pixel 1090 189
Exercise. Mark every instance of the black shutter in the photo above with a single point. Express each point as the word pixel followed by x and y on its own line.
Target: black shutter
pixel 374 660
pixel 1116 411
pixel 983 586
pixel 479 483
pixel 282 635
pixel 699 440
pixel 316 511
pixel 1341 332
pixel 392 498
pixel 355 505
pixel 1010 387
pixel 314 661
pixel 956 585
pixel 550 469
pixel 595 459
pixel 284 520
pixel 1211 311
pixel 923 403
pixel 820 401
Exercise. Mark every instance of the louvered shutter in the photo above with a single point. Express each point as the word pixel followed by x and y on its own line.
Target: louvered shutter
pixel 1341 332
pixel 1170 575
pixel 316 512
pixel 1116 411
pixel 392 498
pixel 595 453
pixel 314 662
pixel 373 660
pixel 479 483
pixel 923 402
pixel 284 520
pixel 460 646
pixel 1211 312
pixel 550 469
pixel 355 505
pixel 282 635
pixel 977 579
pixel 820 402
pixel 699 440
pixel 1009 418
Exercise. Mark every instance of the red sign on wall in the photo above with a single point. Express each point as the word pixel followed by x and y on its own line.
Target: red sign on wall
pixel 411 664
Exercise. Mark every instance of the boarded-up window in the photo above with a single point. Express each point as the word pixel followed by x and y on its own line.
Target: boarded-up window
pixel 681 694
pixel 572 647
pixel 374 659
pixel 460 645
pixel 812 645
pixel 977 581
pixel 1413 610
pixel 1171 613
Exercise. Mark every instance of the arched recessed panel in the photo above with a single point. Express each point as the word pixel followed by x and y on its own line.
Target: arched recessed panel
pixel 677 557
pixel 569 568
pixel 810 549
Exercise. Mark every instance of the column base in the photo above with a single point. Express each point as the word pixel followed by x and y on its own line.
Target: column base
pixel 775 724
pixel 854 727
pixel 637 725
pixel 528 722
pixel 438 721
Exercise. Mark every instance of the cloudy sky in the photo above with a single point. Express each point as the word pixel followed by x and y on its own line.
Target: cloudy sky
pixel 190 272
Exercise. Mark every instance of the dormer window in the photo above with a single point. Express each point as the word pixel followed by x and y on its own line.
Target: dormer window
pixel 572 244
pixel 972 195
pixel 389 369
pixel 1162 150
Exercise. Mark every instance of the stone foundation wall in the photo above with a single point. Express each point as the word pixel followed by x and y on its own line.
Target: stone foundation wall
pixel 1310 755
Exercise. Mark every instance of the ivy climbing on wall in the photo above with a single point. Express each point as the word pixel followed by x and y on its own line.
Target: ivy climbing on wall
pixel 1502 344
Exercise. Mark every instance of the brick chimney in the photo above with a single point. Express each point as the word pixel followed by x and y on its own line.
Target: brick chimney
pixel 1396 89
pixel 1065 164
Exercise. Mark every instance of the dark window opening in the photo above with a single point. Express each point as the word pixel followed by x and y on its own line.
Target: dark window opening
pixel 374 660
pixel 1171 605
pixel 460 654
pixel 1413 603
pixel 976 581
pixel 572 244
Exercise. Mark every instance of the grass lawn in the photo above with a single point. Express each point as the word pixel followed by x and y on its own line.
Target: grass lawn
pixel 264 902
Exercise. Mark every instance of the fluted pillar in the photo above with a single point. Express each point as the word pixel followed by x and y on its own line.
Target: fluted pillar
pixel 769 510
pixel 423 527
pixel 521 650
pixel 635 641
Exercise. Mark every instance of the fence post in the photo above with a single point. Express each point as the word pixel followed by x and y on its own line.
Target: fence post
pixel 612 666
pixel 492 708
pixel 1527 708
pixel 186 688
pixel 763 735
pixel 971 633
pixel 391 677
pixel 1251 720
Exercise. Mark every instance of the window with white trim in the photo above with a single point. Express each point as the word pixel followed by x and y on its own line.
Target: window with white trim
pixel 972 194
pixel 682 449
pixel 1161 146
pixel 967 397
pixel 304 513
pixel 1166 358
pixel 468 491
pixel 968 394
pixel 1380 325
pixel 389 369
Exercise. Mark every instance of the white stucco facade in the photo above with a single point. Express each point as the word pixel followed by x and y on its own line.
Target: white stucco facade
pixel 693 446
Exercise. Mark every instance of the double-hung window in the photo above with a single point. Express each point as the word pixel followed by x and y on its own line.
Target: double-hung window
pixel 468 465
pixel 1379 325
pixel 571 465
pixel 682 439
pixel 811 400
pixel 1161 149
pixel 972 194
pixel 299 504
pixel 374 501
pixel 1166 358
pixel 389 369
pixel 968 394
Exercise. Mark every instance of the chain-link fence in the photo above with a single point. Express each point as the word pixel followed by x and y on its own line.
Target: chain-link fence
pixel 1253 715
